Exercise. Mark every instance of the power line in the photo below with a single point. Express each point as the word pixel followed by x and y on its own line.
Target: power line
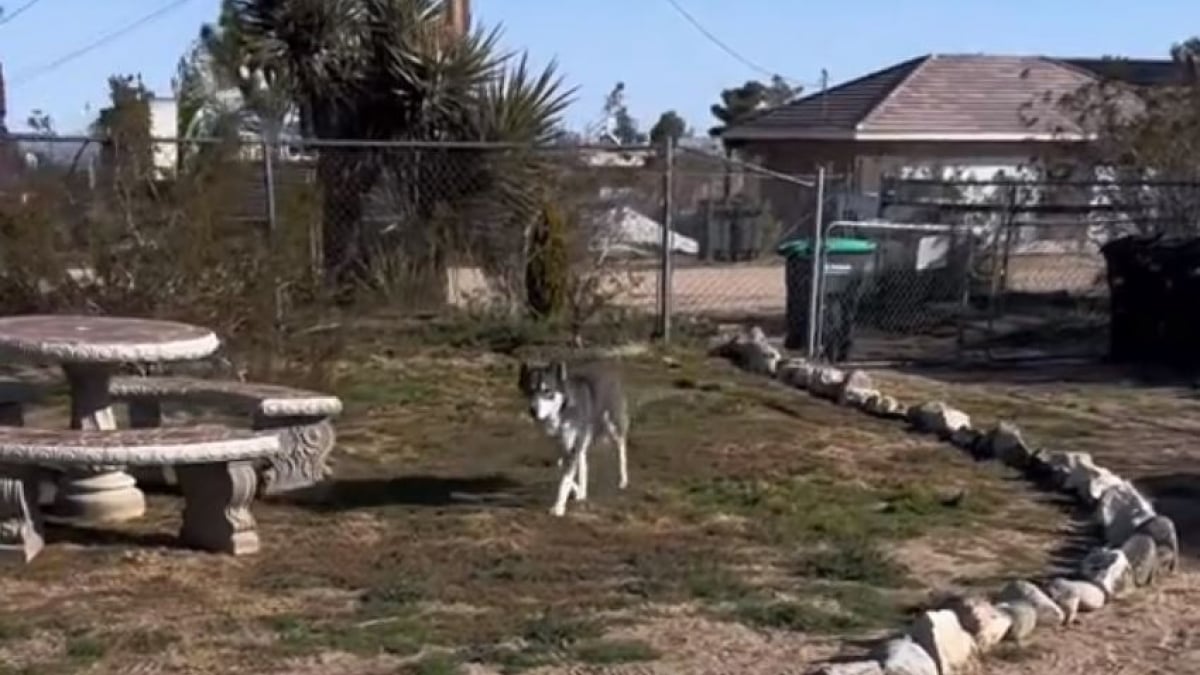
pixel 22 78
pixel 724 46
pixel 5 18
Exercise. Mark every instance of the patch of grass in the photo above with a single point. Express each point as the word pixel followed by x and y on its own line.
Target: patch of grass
pixel 146 641
pixel 399 636
pixel 12 630
pixel 611 652
pixel 858 560
pixel 438 664
pixel 715 583
pixel 822 508
pixel 830 610
pixel 84 648
pixel 549 631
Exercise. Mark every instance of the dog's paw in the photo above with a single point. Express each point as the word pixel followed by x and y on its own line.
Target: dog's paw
pixel 558 511
pixel 622 484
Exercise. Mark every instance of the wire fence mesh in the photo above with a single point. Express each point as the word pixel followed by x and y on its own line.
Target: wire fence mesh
pixel 236 233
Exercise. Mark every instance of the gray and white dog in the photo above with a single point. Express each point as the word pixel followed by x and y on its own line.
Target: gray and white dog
pixel 576 407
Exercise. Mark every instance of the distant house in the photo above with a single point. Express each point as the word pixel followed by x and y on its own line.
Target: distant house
pixel 974 114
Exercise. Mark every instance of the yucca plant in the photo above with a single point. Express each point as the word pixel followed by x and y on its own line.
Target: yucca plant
pixel 389 70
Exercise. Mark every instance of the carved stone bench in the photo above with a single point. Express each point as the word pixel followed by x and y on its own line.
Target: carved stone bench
pixel 216 467
pixel 302 419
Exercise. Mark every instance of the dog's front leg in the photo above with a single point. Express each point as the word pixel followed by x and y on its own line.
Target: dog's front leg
pixel 566 484
pixel 581 474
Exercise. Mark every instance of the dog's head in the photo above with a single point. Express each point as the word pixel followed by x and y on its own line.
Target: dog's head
pixel 545 388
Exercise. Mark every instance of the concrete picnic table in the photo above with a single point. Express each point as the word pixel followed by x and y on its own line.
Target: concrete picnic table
pixel 90 349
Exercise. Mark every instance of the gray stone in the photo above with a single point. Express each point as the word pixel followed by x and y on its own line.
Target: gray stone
pixel 1024 617
pixel 940 635
pixel 1061 466
pixel 1089 481
pixel 789 369
pixel 1091 597
pixel 856 388
pixel 826 382
pixel 1067 598
pixel 750 351
pixel 1162 530
pixel 1006 445
pixel 1110 570
pixel 902 656
pixel 855 668
pixel 939 418
pixel 1121 511
pixel 967 439
pixel 1141 552
pixel 890 407
pixel 986 624
pixel 1048 611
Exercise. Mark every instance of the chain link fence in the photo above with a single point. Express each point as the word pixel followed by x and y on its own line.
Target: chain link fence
pixel 238 234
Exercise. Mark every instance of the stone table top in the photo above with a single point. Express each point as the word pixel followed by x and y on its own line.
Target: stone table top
pixel 103 339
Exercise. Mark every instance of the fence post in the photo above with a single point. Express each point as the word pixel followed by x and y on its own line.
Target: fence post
pixel 664 268
pixel 268 150
pixel 816 276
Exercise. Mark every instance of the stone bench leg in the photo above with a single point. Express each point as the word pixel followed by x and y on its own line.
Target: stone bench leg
pixel 146 413
pixel 305 444
pixel 216 511
pixel 20 518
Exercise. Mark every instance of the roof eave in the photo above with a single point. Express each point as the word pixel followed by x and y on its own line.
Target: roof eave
pixel 793 134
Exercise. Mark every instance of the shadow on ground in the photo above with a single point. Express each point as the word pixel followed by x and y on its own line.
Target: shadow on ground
pixel 418 490
pixel 1177 496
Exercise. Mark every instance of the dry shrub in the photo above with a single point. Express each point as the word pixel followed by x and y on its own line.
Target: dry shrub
pixel 176 248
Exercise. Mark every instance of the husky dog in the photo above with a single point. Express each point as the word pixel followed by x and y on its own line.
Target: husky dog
pixel 575 408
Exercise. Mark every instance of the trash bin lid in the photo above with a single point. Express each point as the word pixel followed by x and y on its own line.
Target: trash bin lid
pixel 841 245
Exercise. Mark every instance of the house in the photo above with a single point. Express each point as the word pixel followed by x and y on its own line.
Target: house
pixel 970 113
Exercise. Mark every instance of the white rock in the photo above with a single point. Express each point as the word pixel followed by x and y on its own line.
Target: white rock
pixel 855 668
pixel 1024 617
pixel 902 656
pixel 1121 511
pixel 1067 599
pixel 940 635
pixel 751 351
pixel 890 407
pixel 1089 481
pixel 986 624
pixel 826 382
pixel 1109 569
pixel 856 388
pixel 1091 597
pixel 1048 611
pixel 938 418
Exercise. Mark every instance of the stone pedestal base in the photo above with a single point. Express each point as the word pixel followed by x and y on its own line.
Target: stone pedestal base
pixel 95 494
pixel 216 512
pixel 101 495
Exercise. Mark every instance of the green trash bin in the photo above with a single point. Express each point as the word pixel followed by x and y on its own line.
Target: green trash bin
pixel 849 264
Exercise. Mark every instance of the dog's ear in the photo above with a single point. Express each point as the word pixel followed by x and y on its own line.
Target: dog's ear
pixel 523 377
pixel 560 371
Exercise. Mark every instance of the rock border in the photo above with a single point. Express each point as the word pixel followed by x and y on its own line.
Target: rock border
pixel 1139 544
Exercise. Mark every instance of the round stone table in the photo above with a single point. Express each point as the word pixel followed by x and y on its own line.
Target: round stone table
pixel 90 349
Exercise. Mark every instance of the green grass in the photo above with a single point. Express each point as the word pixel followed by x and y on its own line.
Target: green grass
pixel 399 636
pixel 857 560
pixel 611 652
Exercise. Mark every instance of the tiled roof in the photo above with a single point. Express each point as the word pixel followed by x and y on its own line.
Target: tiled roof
pixel 951 96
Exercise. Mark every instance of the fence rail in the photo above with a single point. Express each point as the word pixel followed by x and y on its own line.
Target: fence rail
pixel 232 231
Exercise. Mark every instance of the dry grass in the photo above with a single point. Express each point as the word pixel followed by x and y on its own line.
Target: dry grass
pixel 752 508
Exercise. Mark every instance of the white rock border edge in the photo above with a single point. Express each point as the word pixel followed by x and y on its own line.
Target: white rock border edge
pixel 1140 544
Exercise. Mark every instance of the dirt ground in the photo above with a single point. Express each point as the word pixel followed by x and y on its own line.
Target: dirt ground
pixel 764 531
pixel 1144 427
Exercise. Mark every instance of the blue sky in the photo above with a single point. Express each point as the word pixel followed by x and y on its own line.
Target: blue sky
pixel 663 60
